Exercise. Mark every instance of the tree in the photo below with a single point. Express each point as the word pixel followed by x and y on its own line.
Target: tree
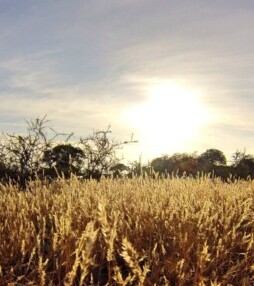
pixel 63 159
pixel 100 153
pixel 180 163
pixel 214 157
pixel 161 164
pixel 238 156
pixel 184 164
pixel 119 170
pixel 23 154
pixel 245 167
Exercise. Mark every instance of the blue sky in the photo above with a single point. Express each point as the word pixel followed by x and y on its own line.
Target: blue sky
pixel 87 64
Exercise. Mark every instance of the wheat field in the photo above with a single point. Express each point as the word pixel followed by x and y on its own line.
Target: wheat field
pixel 128 232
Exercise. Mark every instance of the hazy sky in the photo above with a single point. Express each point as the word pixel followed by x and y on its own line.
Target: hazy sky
pixel 177 74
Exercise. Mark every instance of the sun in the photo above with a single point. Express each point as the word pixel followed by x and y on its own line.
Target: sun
pixel 170 116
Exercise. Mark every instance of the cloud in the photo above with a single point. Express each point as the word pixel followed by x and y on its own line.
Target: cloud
pixel 84 63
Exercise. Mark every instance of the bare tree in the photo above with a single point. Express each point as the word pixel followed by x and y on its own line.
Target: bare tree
pixel 39 150
pixel 100 153
pixel 238 156
pixel 23 154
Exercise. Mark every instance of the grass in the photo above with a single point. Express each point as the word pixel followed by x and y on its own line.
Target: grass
pixel 128 232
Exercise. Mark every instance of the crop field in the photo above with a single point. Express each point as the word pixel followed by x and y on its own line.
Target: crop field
pixel 128 232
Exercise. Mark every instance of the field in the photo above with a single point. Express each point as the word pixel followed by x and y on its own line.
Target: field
pixel 128 232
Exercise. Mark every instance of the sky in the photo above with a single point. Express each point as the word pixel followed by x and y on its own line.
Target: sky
pixel 177 74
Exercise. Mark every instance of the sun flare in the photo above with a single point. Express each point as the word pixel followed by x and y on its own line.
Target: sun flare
pixel 171 115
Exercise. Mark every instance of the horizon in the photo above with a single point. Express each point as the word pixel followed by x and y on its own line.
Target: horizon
pixel 175 74
pixel 67 139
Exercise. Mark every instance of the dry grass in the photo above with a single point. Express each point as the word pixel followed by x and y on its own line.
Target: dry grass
pixel 128 232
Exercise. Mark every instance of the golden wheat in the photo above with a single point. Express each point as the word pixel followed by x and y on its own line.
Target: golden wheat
pixel 128 232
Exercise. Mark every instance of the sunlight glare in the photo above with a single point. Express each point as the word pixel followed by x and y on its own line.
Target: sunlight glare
pixel 169 117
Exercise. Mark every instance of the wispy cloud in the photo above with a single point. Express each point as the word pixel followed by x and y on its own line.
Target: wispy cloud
pixel 84 63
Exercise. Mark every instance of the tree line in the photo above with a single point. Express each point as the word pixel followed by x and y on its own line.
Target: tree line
pixel 45 153
pixel 212 161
